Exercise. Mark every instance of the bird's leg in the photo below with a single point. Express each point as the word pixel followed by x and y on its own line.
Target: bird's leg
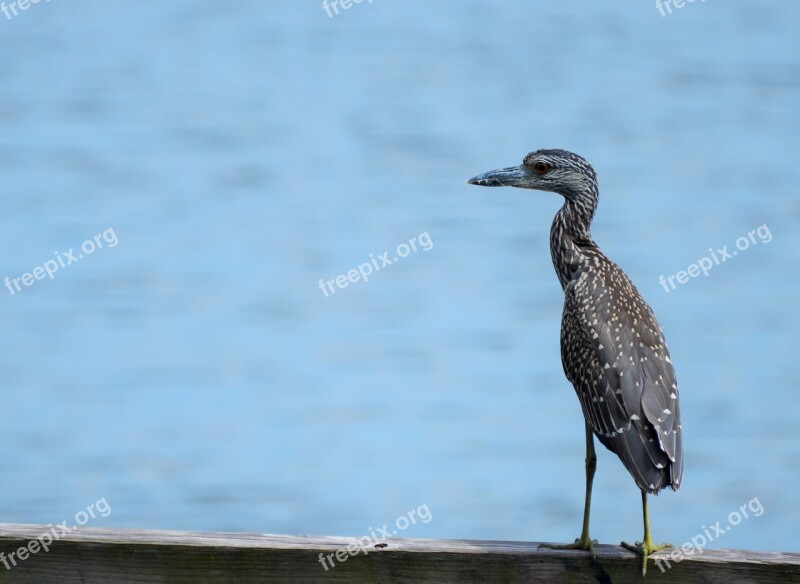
pixel 584 542
pixel 646 546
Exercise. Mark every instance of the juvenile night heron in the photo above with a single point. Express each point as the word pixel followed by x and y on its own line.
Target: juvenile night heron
pixel 612 349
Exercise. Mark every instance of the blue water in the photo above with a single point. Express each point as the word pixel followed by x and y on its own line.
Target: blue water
pixel 196 376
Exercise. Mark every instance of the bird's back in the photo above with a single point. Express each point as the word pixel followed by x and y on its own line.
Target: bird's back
pixel 615 355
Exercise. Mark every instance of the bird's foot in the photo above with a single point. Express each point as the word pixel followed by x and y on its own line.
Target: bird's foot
pixel 645 548
pixel 582 543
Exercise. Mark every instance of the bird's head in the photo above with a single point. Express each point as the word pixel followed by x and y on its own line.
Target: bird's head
pixel 558 171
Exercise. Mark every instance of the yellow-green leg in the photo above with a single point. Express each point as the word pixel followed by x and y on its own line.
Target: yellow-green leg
pixel 584 542
pixel 646 546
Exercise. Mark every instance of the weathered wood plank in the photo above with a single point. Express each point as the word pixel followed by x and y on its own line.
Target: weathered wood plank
pixel 116 556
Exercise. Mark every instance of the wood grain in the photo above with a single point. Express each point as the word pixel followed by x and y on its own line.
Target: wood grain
pixel 116 556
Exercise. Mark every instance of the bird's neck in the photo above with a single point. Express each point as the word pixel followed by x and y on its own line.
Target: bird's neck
pixel 570 238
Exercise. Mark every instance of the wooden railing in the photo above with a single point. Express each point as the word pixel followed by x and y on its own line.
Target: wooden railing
pixel 116 556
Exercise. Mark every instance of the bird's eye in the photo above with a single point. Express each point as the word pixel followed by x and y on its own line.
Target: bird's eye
pixel 541 168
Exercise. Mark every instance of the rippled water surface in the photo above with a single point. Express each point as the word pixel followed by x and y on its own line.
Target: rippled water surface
pixel 195 375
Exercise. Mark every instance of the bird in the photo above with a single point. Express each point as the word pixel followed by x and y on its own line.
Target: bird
pixel 613 350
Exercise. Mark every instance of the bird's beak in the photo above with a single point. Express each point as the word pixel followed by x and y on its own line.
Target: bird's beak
pixel 513 176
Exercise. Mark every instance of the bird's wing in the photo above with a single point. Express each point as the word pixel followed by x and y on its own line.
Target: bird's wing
pixel 614 354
